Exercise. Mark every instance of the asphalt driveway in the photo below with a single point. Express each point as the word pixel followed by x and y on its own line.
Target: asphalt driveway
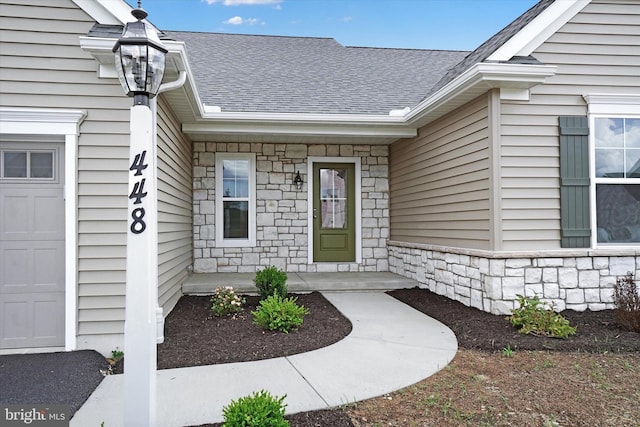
pixel 65 378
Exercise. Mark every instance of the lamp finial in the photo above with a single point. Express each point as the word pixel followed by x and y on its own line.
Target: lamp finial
pixel 139 13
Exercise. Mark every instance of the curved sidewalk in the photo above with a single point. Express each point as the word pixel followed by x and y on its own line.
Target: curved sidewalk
pixel 391 346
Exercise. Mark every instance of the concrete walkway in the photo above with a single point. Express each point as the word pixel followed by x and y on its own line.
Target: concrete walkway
pixel 206 283
pixel 391 346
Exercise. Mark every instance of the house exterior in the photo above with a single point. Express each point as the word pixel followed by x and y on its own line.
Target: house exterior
pixel 512 169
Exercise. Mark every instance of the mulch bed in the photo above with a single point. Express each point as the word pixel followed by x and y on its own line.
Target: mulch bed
pixel 194 337
pixel 597 331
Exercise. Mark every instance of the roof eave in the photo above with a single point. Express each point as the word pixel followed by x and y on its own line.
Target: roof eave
pixel 307 127
pixel 471 84
pixel 176 62
pixel 474 82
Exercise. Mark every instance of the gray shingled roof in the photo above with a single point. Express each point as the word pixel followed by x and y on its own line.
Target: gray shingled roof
pixel 309 75
pixel 249 73
pixel 487 48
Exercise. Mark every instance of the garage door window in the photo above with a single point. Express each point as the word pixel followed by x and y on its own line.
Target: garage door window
pixel 27 165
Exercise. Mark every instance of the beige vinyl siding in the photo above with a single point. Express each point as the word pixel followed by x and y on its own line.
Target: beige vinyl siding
pixel 43 66
pixel 598 51
pixel 175 217
pixel 439 181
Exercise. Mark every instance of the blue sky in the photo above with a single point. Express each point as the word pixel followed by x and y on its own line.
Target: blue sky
pixel 412 24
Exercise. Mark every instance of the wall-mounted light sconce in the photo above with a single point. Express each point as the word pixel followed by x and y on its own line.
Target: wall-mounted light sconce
pixel 298 181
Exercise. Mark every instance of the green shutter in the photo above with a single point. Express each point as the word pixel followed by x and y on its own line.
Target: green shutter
pixel 574 182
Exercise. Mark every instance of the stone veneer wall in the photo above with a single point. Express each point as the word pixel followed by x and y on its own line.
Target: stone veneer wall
pixel 575 280
pixel 282 210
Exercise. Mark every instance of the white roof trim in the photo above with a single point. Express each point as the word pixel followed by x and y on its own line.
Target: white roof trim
pixel 328 125
pixel 108 12
pixel 305 118
pixel 488 76
pixel 536 32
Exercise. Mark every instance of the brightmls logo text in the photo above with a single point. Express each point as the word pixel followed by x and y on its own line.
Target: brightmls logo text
pixel 34 415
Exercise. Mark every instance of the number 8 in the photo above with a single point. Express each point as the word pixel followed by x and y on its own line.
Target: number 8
pixel 138 225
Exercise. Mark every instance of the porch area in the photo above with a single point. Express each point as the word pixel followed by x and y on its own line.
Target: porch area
pixel 206 283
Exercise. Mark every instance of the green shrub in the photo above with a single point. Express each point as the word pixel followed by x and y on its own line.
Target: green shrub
pixel 258 410
pixel 537 318
pixel 278 314
pixel 225 301
pixel 627 301
pixel 271 280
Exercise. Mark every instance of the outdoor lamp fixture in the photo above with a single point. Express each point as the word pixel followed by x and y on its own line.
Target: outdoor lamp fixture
pixel 298 181
pixel 140 59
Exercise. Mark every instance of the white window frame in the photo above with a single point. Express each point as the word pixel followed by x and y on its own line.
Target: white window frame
pixel 607 106
pixel 219 221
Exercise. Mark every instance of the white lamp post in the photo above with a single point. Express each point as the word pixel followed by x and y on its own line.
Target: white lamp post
pixel 140 60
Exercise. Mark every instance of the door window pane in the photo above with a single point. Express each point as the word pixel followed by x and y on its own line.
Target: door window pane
pixel 618 213
pixel 236 220
pixel 41 165
pixel 15 164
pixel 333 198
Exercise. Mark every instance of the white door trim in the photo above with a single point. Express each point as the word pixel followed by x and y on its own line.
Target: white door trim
pixel 353 160
pixel 65 124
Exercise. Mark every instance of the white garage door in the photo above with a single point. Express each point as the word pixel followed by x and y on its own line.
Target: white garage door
pixel 31 245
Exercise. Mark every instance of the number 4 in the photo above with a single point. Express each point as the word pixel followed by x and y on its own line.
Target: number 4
pixel 138 164
pixel 138 192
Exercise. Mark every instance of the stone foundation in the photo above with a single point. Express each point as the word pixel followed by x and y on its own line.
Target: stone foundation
pixel 574 280
pixel 281 210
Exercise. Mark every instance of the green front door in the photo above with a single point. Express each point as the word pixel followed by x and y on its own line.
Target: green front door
pixel 334 213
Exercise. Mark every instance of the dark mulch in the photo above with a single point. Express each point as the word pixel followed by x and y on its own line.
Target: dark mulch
pixel 193 336
pixel 597 331
pixel 320 418
pixel 65 378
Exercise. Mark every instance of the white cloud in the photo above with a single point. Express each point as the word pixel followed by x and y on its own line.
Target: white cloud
pixel 347 19
pixel 236 20
pixel 243 2
pixel 239 20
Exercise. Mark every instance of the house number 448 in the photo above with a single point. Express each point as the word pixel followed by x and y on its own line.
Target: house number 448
pixel 138 194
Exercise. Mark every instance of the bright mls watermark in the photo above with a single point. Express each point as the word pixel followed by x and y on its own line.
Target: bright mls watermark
pixel 34 415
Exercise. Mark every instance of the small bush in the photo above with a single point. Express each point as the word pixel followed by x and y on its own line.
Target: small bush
pixel 258 410
pixel 537 318
pixel 627 301
pixel 278 314
pixel 225 301
pixel 271 280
